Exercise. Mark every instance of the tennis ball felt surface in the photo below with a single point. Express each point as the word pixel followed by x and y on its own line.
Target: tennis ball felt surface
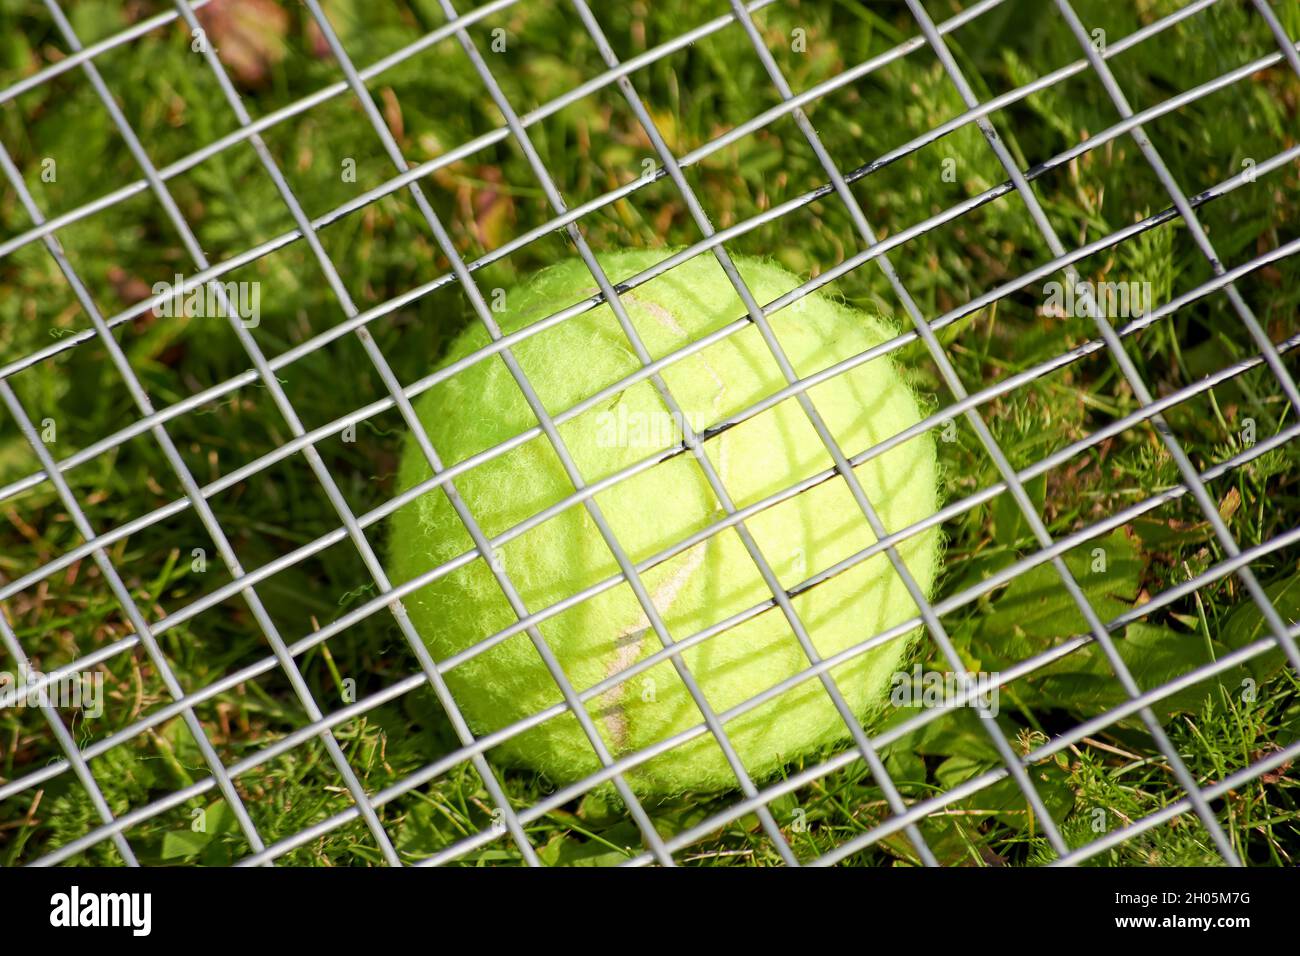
pixel 482 406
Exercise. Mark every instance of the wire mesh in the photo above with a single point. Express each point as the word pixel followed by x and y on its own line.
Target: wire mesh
pixel 899 818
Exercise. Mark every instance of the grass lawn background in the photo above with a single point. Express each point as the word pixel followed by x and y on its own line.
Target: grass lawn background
pixel 433 102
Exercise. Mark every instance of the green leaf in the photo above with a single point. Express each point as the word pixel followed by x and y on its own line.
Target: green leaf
pixel 188 843
pixel 183 844
pixel 1153 655
pixel 1006 801
pixel 957 734
pixel 1246 625
pixel 571 849
pixel 1010 527
pixel 1162 537
pixel 420 834
pixel 957 770
pixel 1036 612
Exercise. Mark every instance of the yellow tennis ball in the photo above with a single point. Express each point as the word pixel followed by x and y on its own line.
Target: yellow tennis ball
pixel 711 581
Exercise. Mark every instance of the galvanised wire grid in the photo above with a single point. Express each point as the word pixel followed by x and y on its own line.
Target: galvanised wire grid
pixel 514 821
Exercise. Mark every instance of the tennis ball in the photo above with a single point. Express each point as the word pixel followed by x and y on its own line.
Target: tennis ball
pixel 481 406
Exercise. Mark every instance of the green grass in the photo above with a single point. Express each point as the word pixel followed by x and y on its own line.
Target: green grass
pixel 433 103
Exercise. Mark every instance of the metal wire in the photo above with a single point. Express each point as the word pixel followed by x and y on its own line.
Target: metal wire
pixel 903 817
